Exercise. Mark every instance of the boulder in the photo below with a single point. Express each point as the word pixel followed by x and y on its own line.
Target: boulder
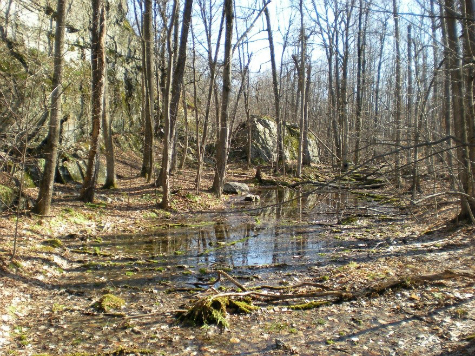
pixel 69 172
pixel 7 197
pixel 75 171
pixel 35 170
pixel 264 141
pixel 252 197
pixel 235 188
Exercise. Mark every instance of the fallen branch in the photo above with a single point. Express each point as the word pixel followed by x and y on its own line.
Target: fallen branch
pixel 236 283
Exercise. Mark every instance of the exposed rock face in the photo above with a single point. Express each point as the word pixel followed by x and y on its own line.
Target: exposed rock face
pixel 32 23
pixel 27 31
pixel 264 141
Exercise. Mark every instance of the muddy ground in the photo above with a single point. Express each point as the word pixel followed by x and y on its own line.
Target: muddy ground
pixel 67 262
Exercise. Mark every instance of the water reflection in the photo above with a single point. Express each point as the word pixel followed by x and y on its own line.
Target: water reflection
pixel 281 234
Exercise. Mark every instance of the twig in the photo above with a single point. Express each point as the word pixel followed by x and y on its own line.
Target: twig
pixel 236 283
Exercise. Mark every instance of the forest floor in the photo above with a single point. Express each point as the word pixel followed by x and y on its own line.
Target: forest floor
pixel 51 291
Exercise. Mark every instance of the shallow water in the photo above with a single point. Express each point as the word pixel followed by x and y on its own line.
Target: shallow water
pixel 286 228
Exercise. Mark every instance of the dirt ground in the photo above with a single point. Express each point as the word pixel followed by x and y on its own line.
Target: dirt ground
pixel 45 309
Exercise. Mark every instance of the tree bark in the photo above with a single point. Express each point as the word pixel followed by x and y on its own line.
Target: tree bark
pixel 275 88
pixel 108 142
pixel 447 100
pixel 360 77
pixel 212 62
pixel 170 122
pixel 147 164
pixel 98 58
pixel 301 74
pixel 306 159
pixel 43 203
pixel 456 76
pixel 222 146
pixel 398 96
pixel 185 112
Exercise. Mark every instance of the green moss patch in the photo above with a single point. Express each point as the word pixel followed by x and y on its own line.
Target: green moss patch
pixel 55 243
pixel 213 310
pixel 109 302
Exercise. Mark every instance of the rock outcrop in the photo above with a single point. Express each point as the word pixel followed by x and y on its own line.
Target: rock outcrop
pixel 27 30
pixel 264 141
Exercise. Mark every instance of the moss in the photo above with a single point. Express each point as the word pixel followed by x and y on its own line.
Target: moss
pixel 376 197
pixel 242 307
pixel 7 195
pixel 310 305
pixel 55 243
pixel 109 302
pixel 349 220
pixel 213 310
pixel 206 311
pixel 28 181
pixel 470 337
pixel 123 351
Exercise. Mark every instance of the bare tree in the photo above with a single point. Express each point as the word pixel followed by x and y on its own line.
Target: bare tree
pixel 360 74
pixel 43 203
pixel 207 18
pixel 149 96
pixel 174 100
pixel 460 129
pixel 98 59
pixel 397 93
pixel 111 181
pixel 222 147
pixel 275 88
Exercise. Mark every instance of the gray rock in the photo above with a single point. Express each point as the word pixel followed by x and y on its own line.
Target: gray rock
pixel 252 197
pixel 35 170
pixel 70 172
pixel 264 141
pixel 235 188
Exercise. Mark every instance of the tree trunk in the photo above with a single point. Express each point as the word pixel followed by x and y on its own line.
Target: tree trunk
pixel 398 96
pixel 98 58
pixel 306 159
pixel 147 164
pixel 360 77
pixel 468 12
pixel 185 112
pixel 447 100
pixel 222 146
pixel 43 203
pixel 343 109
pixel 456 76
pixel 175 92
pixel 275 88
pixel 212 62
pixel 108 142
pixel 301 73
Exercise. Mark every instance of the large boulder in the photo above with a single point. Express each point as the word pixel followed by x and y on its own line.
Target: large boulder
pixel 264 141
pixel 235 188
pixel 69 172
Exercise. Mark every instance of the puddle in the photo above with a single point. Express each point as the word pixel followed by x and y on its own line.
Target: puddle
pixel 247 237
